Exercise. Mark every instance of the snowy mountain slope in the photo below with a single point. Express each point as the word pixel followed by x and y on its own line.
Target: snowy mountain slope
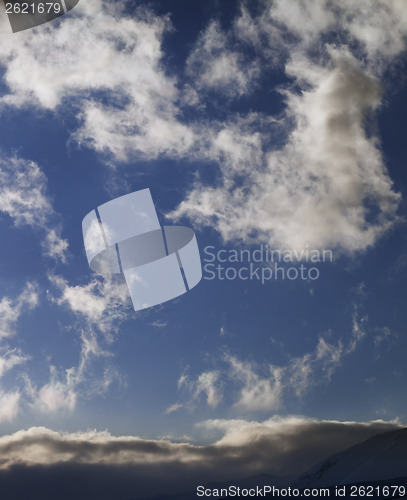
pixel 378 458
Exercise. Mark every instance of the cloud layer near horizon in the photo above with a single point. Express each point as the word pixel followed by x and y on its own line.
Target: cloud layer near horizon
pixel 276 446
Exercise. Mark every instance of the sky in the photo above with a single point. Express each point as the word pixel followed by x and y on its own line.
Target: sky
pixel 264 126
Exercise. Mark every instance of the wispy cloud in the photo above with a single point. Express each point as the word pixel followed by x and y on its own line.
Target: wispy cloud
pixel 206 386
pixel 95 303
pixel 9 405
pixel 95 308
pixel 24 198
pixel 12 357
pixel 56 395
pixel 261 388
pixel 12 308
pixel 66 386
pixel 267 387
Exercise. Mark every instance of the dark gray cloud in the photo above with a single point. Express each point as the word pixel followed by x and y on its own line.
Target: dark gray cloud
pixel 40 463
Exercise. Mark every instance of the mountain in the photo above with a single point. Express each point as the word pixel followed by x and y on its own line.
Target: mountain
pixel 379 458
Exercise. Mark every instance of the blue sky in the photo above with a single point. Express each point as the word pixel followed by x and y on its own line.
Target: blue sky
pixel 258 123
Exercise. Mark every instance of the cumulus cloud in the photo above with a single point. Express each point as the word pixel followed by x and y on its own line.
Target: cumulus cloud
pixel 24 198
pixel 312 175
pixel 109 66
pixel 377 32
pixel 382 33
pixel 317 176
pixel 139 467
pixel 327 187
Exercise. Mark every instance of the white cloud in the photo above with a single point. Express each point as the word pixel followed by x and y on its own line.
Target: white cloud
pixel 96 302
pixel 96 309
pixel 319 190
pixel 383 32
pixel 56 395
pixel 300 375
pixel 267 387
pixel 9 359
pixel 206 385
pixel 159 324
pixel 108 66
pixel 303 19
pixel 24 198
pixel 379 29
pixel 12 308
pixel 270 390
pixel 256 393
pixel 66 386
pixel 23 195
pixel 215 64
pixel 326 187
pixel 9 405
pixel 54 246
pixel 173 408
